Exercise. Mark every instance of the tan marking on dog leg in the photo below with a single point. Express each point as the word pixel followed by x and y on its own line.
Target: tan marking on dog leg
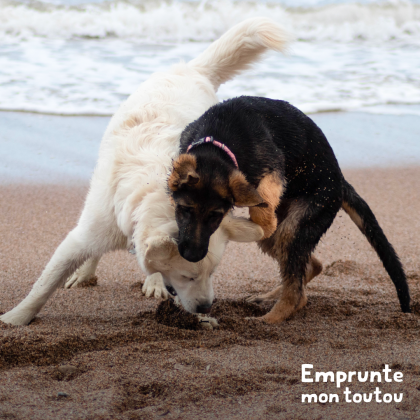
pixel 266 218
pixel 270 189
pixel 296 212
pixel 313 268
pixel 303 301
pixel 276 245
pixel 286 306
pixel 292 296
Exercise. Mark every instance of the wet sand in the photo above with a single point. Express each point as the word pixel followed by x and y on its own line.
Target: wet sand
pixel 98 352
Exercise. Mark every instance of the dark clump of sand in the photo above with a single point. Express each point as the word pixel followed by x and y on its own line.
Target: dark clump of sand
pixel 100 352
pixel 167 313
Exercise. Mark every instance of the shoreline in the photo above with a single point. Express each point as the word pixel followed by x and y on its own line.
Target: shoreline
pixel 47 149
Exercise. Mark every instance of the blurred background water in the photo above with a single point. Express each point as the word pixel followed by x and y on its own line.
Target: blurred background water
pixel 72 57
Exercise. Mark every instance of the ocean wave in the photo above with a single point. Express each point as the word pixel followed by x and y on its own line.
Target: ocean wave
pixel 79 108
pixel 86 59
pixel 176 21
pixel 320 108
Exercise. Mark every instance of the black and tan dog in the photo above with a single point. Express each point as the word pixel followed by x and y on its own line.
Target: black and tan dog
pixel 268 156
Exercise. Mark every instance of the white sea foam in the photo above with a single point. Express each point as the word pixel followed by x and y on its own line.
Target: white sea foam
pixel 85 59
pixel 191 21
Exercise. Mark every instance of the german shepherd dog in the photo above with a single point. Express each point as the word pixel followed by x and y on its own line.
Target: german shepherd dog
pixel 267 155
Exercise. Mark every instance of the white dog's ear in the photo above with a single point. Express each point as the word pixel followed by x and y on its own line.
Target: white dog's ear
pixel 239 229
pixel 160 248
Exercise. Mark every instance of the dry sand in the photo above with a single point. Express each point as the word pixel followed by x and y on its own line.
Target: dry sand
pixel 98 353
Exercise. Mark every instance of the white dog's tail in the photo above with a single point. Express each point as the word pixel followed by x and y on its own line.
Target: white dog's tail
pixel 238 48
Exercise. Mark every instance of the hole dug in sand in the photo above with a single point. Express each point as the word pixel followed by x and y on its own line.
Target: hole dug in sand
pixel 230 313
pixel 172 315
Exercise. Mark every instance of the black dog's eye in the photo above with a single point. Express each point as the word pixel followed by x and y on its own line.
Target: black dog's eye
pixel 185 208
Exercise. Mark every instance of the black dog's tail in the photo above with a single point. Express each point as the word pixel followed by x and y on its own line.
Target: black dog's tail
pixel 362 216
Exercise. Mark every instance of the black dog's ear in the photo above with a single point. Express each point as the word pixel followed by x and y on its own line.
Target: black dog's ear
pixel 183 172
pixel 244 194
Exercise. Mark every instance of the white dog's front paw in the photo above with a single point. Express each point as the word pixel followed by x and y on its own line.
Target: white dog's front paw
pixel 207 321
pixel 155 287
pixel 17 317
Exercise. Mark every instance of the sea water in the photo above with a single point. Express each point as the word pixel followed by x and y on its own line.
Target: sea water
pixel 71 57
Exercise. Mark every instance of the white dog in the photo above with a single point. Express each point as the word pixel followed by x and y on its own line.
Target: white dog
pixel 128 205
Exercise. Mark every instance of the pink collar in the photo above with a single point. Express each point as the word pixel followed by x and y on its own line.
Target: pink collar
pixel 210 139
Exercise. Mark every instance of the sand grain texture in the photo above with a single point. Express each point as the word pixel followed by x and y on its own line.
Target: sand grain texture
pixel 98 352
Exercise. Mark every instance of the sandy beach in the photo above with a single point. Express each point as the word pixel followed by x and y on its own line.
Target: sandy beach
pixel 98 352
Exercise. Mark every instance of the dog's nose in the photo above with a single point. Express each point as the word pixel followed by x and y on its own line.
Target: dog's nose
pixel 192 254
pixel 204 308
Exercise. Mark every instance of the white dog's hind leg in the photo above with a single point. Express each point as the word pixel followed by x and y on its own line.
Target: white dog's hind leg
pixel 155 286
pixel 83 274
pixel 71 253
